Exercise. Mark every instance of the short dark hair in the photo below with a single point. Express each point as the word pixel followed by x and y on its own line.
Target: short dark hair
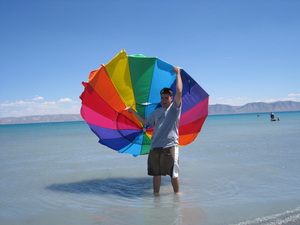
pixel 166 91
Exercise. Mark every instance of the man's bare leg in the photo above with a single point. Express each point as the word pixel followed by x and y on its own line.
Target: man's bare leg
pixel 175 184
pixel 156 184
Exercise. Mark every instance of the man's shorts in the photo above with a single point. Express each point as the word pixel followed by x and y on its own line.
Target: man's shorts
pixel 164 161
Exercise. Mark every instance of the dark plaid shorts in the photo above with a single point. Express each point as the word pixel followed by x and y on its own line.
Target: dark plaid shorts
pixel 161 161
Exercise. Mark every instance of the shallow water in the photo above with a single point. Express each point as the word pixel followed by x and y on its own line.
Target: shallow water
pixel 242 169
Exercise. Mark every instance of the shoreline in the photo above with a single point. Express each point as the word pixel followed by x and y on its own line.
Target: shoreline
pixel 217 109
pixel 62 118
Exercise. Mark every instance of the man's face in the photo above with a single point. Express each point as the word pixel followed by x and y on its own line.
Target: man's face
pixel 166 100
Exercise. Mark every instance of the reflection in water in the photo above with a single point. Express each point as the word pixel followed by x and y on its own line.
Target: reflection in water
pixel 130 201
pixel 175 209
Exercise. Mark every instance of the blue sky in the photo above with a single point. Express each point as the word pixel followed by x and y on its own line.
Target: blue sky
pixel 239 51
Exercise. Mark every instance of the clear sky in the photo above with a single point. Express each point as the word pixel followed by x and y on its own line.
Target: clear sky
pixel 239 51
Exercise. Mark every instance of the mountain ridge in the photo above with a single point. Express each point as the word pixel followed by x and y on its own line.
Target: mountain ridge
pixel 254 107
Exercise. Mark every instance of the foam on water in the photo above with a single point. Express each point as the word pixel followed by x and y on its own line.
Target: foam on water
pixel 290 217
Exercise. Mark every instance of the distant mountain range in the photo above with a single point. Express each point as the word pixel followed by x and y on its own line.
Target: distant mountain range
pixel 257 107
pixel 41 119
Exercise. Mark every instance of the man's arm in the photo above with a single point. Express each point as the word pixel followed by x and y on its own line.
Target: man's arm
pixel 178 96
pixel 138 116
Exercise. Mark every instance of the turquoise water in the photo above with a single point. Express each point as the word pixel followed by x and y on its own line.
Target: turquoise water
pixel 242 169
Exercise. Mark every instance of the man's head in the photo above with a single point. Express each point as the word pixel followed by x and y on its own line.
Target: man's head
pixel 166 96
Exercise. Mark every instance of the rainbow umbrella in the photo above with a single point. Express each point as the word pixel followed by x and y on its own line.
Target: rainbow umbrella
pixel 135 81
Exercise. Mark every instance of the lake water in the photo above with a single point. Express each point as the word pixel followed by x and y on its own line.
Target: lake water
pixel 242 169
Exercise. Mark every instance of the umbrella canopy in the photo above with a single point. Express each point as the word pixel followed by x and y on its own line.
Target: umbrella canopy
pixel 135 81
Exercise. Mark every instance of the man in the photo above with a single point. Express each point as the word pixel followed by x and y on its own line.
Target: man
pixel 163 157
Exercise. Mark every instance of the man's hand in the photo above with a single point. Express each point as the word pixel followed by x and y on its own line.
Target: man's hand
pixel 177 69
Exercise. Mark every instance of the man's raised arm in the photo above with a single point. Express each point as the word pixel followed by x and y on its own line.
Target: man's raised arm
pixel 178 96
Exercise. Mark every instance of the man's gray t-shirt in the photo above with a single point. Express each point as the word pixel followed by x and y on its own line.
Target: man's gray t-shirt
pixel 165 123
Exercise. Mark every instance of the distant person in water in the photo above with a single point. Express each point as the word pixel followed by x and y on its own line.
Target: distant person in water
pixel 272 115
